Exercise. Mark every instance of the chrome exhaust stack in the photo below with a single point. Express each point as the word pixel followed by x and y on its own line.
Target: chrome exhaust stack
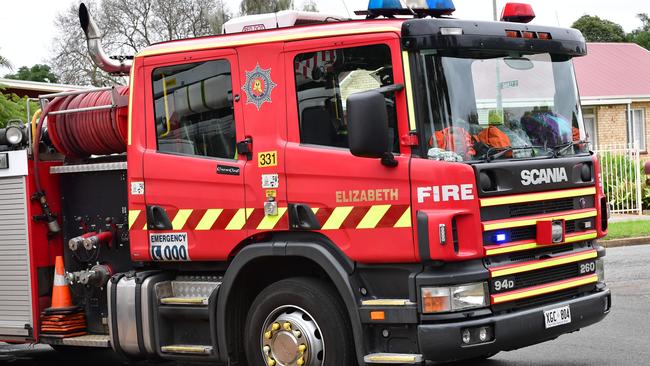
pixel 95 49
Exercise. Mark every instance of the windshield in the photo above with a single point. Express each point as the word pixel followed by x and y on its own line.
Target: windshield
pixel 501 107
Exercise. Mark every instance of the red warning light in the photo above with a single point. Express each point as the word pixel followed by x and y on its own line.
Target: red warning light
pixel 518 13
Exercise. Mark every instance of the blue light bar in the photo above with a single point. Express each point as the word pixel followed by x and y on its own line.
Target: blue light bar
pixel 430 7
pixel 384 4
pixel 447 5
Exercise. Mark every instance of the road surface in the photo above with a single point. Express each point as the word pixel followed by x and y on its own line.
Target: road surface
pixel 623 338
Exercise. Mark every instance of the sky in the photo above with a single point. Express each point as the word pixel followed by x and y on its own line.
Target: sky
pixel 28 25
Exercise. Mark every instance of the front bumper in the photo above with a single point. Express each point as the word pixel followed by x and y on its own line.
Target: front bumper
pixel 442 342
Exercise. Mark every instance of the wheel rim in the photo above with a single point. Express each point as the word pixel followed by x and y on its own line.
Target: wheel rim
pixel 291 337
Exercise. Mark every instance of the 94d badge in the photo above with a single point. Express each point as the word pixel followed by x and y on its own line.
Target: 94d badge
pixel 258 86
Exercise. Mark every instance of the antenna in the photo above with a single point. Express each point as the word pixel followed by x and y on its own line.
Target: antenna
pixel 346 8
pixel 407 6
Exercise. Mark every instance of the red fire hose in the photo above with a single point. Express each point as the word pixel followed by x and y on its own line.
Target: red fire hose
pixel 98 132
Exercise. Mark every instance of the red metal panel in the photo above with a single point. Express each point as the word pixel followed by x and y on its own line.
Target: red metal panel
pixel 266 124
pixel 428 176
pixel 315 174
pixel 599 196
pixel 181 182
pixel 42 249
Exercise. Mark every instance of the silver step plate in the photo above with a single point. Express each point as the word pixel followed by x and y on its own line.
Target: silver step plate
pixel 89 340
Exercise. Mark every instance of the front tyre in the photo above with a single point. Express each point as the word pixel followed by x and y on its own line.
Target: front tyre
pixel 298 322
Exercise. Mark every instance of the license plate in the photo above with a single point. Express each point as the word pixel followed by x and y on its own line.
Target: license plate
pixel 557 316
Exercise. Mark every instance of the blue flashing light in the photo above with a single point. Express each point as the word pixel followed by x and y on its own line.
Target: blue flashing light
pixel 444 7
pixel 441 5
pixel 384 4
pixel 501 237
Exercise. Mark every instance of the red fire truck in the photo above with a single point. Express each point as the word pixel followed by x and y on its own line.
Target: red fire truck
pixel 311 190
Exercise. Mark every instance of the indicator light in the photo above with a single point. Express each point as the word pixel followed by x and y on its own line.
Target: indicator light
pixel 513 34
pixel 447 31
pixel 500 237
pixel 529 35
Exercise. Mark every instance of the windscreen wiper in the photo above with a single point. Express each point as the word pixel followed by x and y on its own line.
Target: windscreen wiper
pixel 497 152
pixel 558 150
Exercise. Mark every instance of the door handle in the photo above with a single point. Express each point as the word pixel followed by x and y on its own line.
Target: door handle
pixel 245 147
pixel 301 217
pixel 157 218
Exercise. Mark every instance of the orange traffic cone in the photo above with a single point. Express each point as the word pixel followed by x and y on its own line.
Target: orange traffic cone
pixel 61 297
pixel 63 319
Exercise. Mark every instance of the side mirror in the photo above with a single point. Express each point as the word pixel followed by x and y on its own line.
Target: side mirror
pixel 368 135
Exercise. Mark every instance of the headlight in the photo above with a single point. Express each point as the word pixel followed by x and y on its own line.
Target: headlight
pixel 600 269
pixel 14 135
pixel 454 298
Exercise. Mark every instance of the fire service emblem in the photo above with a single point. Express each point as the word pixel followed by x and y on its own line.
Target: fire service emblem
pixel 258 86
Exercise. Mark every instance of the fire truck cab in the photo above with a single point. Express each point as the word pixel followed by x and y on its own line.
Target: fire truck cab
pixel 393 190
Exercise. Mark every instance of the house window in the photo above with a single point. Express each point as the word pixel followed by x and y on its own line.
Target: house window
pixel 636 129
pixel 589 118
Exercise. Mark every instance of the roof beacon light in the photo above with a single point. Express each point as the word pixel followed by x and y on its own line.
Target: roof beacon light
pixel 518 13
pixel 408 7
pixel 384 4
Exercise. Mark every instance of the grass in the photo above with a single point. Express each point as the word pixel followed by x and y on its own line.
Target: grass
pixel 628 229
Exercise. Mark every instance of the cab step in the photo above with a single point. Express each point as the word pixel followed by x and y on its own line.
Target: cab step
pixel 393 358
pixel 187 349
pixel 187 290
pixel 184 301
pixel 88 340
pixel 183 308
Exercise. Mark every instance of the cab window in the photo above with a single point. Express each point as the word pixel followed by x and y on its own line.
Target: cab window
pixel 325 79
pixel 194 109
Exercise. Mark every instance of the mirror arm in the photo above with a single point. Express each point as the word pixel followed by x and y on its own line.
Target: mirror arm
pixel 390 88
pixel 389 160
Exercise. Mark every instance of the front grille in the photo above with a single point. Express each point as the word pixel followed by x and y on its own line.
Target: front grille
pixel 536 208
pixel 530 232
pixel 541 207
pixel 523 233
pixel 530 255
pixel 541 277
pixel 539 300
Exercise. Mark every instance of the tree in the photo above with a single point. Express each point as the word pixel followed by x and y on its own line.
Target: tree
pixel 13 107
pixel 249 7
pixel 310 5
pixel 641 35
pixel 38 72
pixel 596 29
pixel 128 26
pixel 4 62
pixel 645 21
pixel 221 15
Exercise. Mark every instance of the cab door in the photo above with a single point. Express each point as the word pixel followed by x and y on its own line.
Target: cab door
pixel 193 174
pixel 358 203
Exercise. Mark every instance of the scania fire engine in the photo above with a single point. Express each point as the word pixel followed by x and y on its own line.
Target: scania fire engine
pixel 312 190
